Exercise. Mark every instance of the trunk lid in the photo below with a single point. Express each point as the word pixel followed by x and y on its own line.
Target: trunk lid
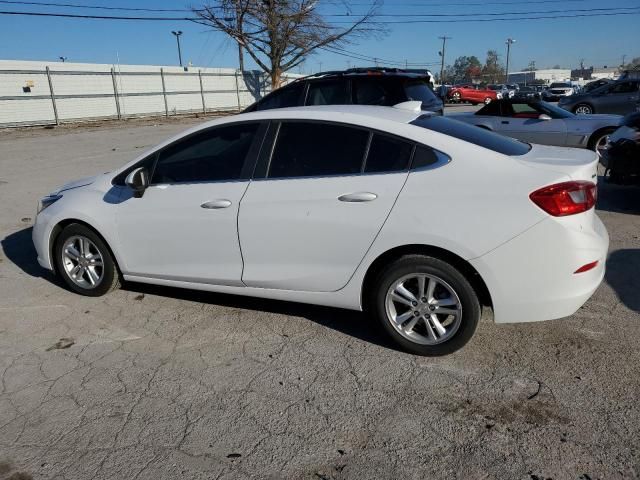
pixel 576 163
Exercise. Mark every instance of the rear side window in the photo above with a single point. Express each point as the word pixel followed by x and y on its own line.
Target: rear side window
pixel 286 97
pixel 472 134
pixel 214 155
pixel 387 154
pixel 305 149
pixel 328 92
pixel 368 91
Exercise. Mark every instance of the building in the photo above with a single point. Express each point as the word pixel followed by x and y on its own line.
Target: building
pixel 549 75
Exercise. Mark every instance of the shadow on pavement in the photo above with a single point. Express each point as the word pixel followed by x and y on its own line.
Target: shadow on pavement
pixel 349 322
pixel 622 275
pixel 618 198
pixel 19 249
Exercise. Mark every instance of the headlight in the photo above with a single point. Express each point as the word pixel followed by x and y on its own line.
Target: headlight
pixel 48 201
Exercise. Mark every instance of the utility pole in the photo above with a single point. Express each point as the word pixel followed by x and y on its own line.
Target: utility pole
pixel 624 57
pixel 444 39
pixel 509 42
pixel 177 34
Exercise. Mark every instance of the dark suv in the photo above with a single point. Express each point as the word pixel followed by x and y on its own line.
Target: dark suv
pixel 360 86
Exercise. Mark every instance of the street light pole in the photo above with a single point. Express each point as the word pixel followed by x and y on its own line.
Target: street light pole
pixel 506 72
pixel 444 42
pixel 177 34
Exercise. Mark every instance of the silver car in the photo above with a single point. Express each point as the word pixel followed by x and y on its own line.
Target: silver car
pixel 540 122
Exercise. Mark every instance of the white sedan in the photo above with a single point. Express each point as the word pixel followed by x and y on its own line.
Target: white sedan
pixel 419 220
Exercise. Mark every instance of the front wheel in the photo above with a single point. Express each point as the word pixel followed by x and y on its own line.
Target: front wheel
pixel 456 97
pixel 583 109
pixel 84 262
pixel 425 305
pixel 487 101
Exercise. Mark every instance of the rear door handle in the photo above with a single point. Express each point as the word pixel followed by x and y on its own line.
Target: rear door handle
pixel 358 197
pixel 216 204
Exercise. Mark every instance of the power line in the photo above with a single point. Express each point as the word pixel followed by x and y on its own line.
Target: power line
pixel 486 14
pixel 75 5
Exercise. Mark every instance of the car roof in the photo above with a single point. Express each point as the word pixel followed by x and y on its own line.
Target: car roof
pixel 332 112
pixel 375 72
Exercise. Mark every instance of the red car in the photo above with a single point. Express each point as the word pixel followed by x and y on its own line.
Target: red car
pixel 473 94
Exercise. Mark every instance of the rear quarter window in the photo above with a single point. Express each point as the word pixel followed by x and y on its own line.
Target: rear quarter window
pixel 472 134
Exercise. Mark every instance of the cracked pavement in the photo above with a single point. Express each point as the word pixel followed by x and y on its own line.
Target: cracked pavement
pixel 153 383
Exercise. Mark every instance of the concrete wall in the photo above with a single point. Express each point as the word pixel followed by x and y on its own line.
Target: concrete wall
pixel 83 91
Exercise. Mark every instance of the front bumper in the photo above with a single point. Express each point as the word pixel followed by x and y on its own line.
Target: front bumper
pixel 41 235
pixel 531 277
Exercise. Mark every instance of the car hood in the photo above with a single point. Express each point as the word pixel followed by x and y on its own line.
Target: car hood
pixel 82 182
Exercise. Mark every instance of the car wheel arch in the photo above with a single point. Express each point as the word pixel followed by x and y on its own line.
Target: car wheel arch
pixel 597 134
pixel 385 258
pixel 60 226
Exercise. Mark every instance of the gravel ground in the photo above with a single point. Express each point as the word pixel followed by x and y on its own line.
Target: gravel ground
pixel 158 383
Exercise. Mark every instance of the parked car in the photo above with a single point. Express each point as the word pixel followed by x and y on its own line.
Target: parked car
pixel 621 158
pixel 513 89
pixel 473 94
pixel 500 89
pixel 389 210
pixel 618 97
pixel 557 90
pixel 358 86
pixel 526 93
pixel 595 84
pixel 544 123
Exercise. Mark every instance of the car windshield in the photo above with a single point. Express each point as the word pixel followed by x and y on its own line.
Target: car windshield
pixel 553 111
pixel 472 134
pixel 560 85
pixel 418 89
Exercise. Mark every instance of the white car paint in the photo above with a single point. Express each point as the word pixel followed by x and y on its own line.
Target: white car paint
pixel 296 241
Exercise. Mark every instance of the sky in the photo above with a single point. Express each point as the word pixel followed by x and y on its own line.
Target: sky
pixel 598 41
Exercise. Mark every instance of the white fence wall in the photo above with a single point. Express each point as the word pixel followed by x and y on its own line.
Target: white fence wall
pixel 43 93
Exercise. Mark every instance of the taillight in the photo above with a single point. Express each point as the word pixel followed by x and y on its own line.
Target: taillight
pixel 567 198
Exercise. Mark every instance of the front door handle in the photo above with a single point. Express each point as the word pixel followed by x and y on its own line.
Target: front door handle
pixel 358 197
pixel 215 204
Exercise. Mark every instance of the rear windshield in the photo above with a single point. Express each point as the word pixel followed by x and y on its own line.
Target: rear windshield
pixel 472 134
pixel 418 89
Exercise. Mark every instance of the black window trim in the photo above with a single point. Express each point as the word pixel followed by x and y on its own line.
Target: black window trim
pixel 246 173
pixel 264 158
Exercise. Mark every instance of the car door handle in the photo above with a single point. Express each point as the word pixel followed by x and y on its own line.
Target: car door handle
pixel 504 121
pixel 216 204
pixel 358 197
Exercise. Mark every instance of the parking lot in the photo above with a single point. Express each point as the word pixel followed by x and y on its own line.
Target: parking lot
pixel 152 382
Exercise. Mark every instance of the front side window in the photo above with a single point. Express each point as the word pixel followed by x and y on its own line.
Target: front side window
pixel 491 109
pixel 305 149
pixel 328 92
pixel 289 96
pixel 216 154
pixel 624 87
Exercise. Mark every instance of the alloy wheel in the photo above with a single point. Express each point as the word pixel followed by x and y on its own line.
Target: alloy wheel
pixel 583 110
pixel 423 308
pixel 83 262
pixel 601 145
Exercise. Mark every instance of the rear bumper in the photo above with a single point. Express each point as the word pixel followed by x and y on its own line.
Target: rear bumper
pixel 531 277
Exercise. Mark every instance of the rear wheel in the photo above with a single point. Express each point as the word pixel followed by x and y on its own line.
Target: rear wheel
pixel 84 262
pixel 599 142
pixel 456 96
pixel 487 101
pixel 583 109
pixel 425 305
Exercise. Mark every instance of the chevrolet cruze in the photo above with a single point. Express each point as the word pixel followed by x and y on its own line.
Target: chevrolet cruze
pixel 417 219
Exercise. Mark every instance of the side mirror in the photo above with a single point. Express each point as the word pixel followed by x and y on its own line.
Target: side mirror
pixel 544 116
pixel 138 181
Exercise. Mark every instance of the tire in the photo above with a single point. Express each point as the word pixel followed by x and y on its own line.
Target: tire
pixel 487 101
pixel 456 97
pixel 598 140
pixel 412 325
pixel 79 249
pixel 583 109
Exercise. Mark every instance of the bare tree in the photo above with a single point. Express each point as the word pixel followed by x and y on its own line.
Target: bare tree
pixel 279 34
